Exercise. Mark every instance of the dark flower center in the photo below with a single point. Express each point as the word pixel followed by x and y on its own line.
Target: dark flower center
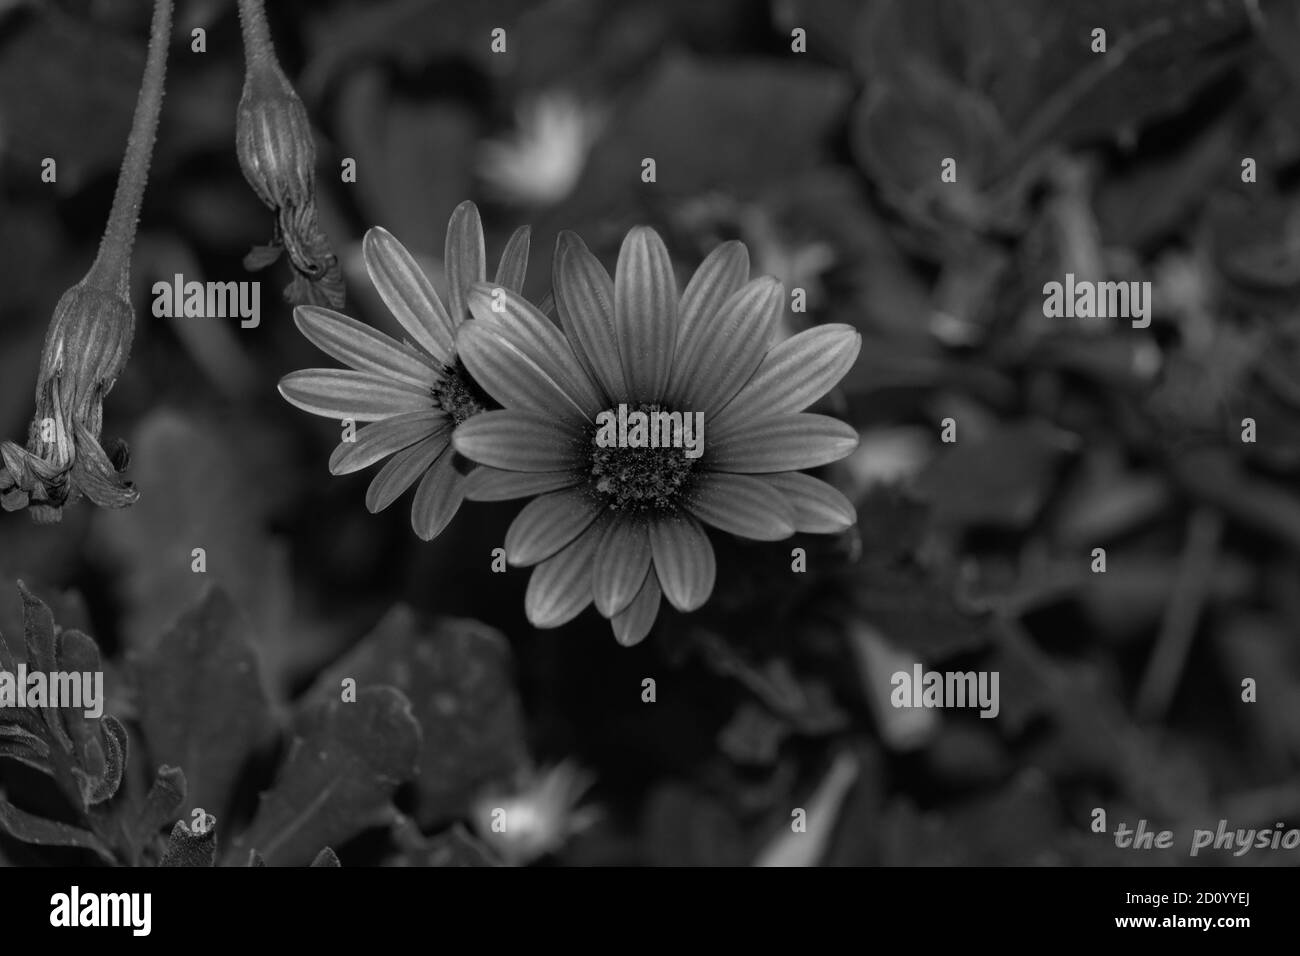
pixel 640 479
pixel 457 394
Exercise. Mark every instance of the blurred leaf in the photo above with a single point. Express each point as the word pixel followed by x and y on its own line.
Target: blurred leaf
pixel 685 827
pixel 753 736
pixel 79 116
pixel 455 846
pixel 1260 648
pixel 201 703
pixel 1016 826
pixel 1027 69
pixel 338 779
pixel 828 24
pixel 1034 61
pixel 458 676
pixel 903 137
pixel 1159 193
pixel 915 612
pixel 703 123
pixel 806 847
pixel 419 153
pixel 1255 244
pixel 409 32
pixel 210 487
pixel 1000 479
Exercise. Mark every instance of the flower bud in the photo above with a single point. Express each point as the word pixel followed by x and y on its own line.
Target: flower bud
pixel 86 347
pixel 278 157
pixel 273 139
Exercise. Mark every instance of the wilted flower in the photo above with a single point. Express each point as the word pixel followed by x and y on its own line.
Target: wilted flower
pixel 539 817
pixel 539 164
pixel 623 526
pixel 89 340
pixel 278 157
pixel 416 393
pixel 85 348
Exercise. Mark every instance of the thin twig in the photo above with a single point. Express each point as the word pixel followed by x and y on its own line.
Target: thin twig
pixel 1165 669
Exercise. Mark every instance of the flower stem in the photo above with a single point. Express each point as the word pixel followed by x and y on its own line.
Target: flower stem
pixel 111 270
pixel 257 35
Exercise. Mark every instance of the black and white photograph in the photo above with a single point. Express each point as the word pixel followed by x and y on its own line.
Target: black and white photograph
pixel 652 434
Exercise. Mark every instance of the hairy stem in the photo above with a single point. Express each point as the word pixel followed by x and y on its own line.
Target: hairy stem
pixel 257 35
pixel 112 267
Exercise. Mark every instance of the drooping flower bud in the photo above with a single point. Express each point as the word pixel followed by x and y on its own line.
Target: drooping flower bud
pixel 277 154
pixel 88 342
pixel 86 347
pixel 273 138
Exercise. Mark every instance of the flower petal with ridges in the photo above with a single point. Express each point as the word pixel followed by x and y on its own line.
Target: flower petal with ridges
pixel 548 523
pixel 440 493
pixel 584 299
pixel 409 294
pixel 343 393
pixel 723 272
pixel 386 437
pixel 633 624
pixel 512 270
pixel 361 347
pixel 560 587
pixel 721 352
pixel 795 374
pixel 782 443
pixel 535 336
pixel 743 506
pixel 819 508
pixel 684 561
pixel 509 375
pixel 401 471
pixel 645 313
pixel 518 441
pixel 622 562
pixel 493 484
pixel 465 258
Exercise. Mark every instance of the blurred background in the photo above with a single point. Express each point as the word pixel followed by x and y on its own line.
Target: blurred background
pixel 814 131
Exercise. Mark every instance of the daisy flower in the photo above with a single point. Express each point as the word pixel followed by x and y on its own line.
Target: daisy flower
pixel 416 393
pixel 624 526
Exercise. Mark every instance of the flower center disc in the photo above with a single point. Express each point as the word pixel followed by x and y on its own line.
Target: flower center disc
pixel 458 395
pixel 640 478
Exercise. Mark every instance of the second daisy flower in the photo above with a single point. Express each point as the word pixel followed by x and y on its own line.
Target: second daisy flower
pixel 623 527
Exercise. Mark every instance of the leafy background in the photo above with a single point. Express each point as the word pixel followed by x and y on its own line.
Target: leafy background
pixel 1119 690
